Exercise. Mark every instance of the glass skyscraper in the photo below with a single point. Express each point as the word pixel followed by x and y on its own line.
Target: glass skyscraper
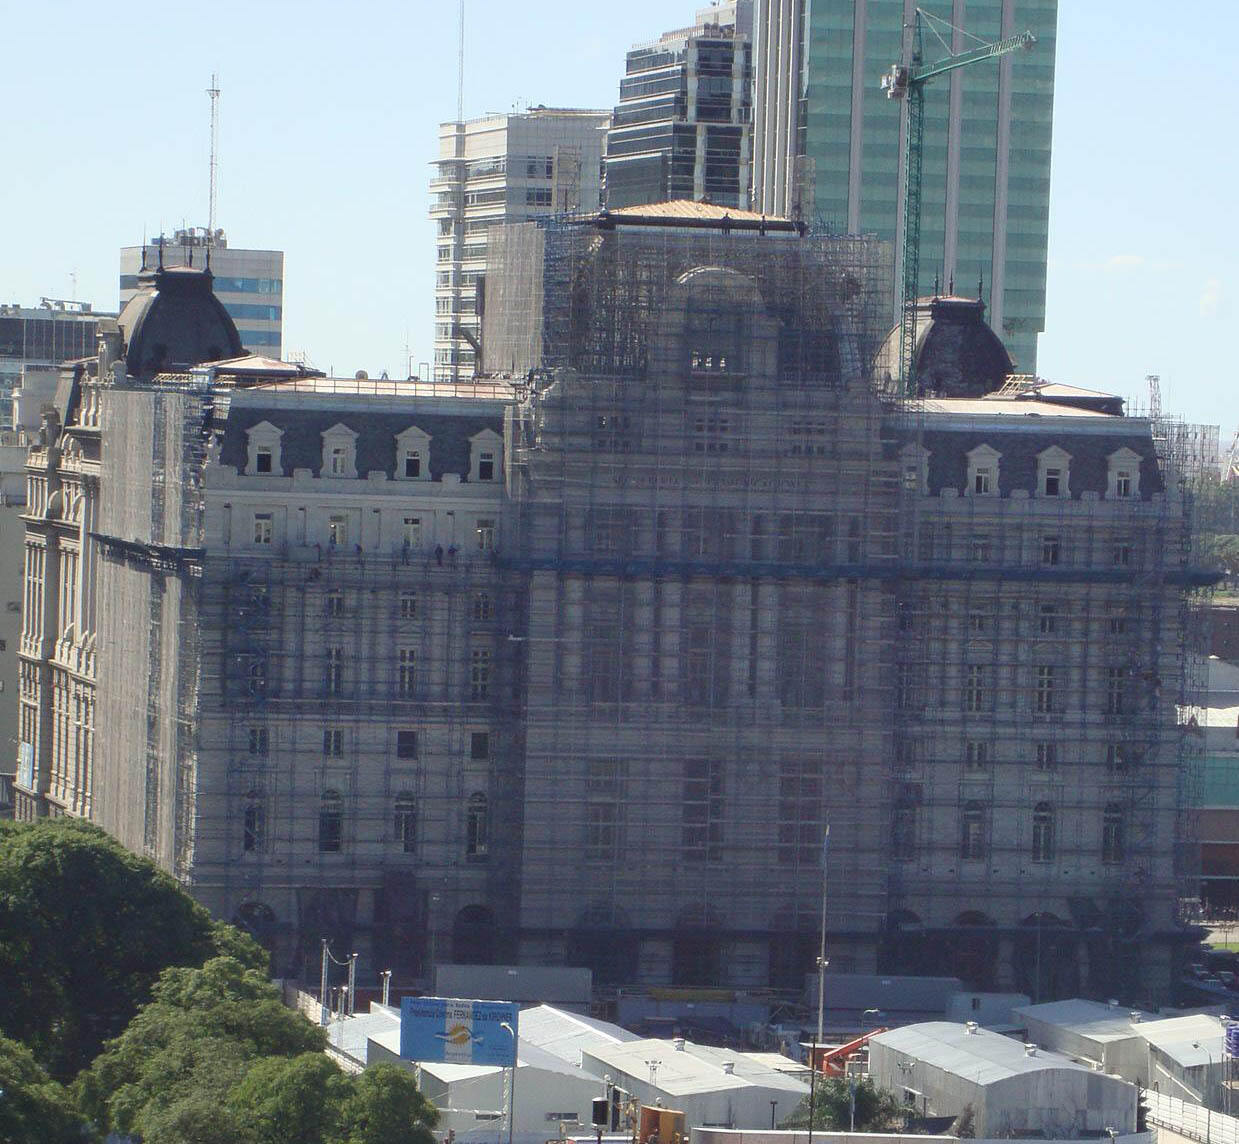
pixel 828 144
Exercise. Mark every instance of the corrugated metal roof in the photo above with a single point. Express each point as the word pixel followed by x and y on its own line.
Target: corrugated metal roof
pixel 564 1034
pixel 1008 407
pixel 1176 1038
pixel 1092 1019
pixel 981 1057
pixel 695 1069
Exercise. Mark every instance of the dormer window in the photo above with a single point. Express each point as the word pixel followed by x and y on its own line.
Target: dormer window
pixel 983 471
pixel 413 455
pixel 1124 475
pixel 263 450
pixel 1054 473
pixel 339 452
pixel 484 455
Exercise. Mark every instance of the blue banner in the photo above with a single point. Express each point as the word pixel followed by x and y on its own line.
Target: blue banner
pixel 458 1031
pixel 1232 1040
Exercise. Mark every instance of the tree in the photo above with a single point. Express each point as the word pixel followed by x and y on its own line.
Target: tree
pixel 297 1101
pixel 34 1109
pixel 876 1109
pixel 100 924
pixel 385 1107
pixel 196 1039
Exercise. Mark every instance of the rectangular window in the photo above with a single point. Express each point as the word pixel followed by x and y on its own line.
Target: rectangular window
pixel 333 742
pixel 701 811
pixel 483 606
pixel 980 623
pixel 333 672
pixel 339 461
pixel 254 825
pixel 1116 690
pixel 412 531
pixel 337 531
pixel 408 605
pixel 335 602
pixel 406 681
pixel 1045 700
pixel 413 463
pixel 486 466
pixel 479 745
pixel 1122 483
pixel 976 693
pixel 486 535
pixel 1122 552
pixel 258 740
pixel 1053 482
pixel 479 673
pixel 1051 549
pixel 800 824
pixel 976 755
pixel 406 744
pixel 1047 756
pixel 981 480
pixel 1047 618
pixel 979 552
pixel 264 527
pixel 262 461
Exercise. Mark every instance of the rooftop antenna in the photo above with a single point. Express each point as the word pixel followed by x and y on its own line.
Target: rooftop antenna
pixel 460 66
pixel 213 93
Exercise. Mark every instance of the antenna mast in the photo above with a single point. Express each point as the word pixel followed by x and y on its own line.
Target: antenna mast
pixel 213 92
pixel 460 66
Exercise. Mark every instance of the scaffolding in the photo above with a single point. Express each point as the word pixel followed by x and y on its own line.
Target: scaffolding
pixel 748 620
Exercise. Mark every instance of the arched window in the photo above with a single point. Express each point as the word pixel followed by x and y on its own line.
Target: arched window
pixel 972 831
pixel 256 678
pixel 1113 833
pixel 1043 832
pixel 406 822
pixel 331 822
pixel 477 826
pixel 254 827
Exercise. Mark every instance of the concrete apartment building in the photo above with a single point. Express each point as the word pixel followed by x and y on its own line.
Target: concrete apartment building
pixel 829 145
pixel 579 672
pixel 250 283
pixel 492 170
pixel 683 127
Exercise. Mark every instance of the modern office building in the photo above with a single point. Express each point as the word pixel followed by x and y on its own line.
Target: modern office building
pixel 580 671
pixel 250 283
pixel 497 169
pixel 43 335
pixel 683 126
pixel 829 145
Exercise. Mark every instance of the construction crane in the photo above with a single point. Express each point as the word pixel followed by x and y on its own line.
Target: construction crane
pixel 906 81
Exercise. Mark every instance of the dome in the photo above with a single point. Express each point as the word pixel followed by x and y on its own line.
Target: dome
pixel 175 321
pixel 957 353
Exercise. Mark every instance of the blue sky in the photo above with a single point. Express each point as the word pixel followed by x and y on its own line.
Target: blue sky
pixel 328 125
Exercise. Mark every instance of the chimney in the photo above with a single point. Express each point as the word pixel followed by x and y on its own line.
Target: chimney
pixel 729 1067
pixel 678 1043
pixel 971 1026
pixel 1030 1050
pixel 1136 1016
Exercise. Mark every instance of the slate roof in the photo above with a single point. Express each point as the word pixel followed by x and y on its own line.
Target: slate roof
pixel 1017 467
pixel 301 446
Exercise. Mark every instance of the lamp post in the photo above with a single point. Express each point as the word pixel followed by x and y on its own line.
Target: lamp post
pixel 821 954
pixel 1204 1091
pixel 512 1086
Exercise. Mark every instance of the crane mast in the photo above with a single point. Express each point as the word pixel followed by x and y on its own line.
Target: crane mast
pixel 906 81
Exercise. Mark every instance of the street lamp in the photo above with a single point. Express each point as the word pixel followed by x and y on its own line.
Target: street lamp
pixel 1204 1091
pixel 512 1086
